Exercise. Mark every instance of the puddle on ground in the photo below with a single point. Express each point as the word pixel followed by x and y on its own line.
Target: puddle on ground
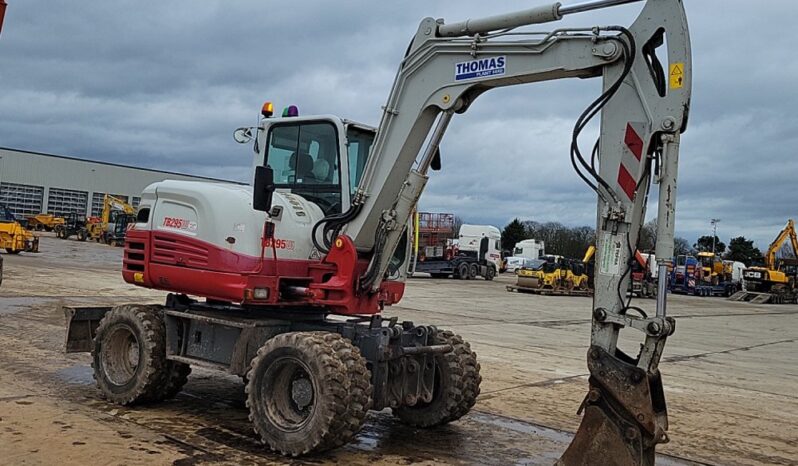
pixel 82 375
pixel 12 305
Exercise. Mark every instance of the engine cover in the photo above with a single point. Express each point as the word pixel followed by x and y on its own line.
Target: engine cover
pixel 221 216
pixel 205 239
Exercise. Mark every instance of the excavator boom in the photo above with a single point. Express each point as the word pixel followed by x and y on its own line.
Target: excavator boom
pixel 643 110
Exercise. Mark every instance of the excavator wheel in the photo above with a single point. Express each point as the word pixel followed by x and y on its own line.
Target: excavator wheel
pixel 129 355
pixel 176 377
pixel 308 392
pixel 457 381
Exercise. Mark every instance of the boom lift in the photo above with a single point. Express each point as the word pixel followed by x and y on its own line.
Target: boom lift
pixel 296 269
pixel 776 281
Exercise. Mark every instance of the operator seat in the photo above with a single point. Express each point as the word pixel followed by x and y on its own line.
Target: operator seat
pixel 302 164
pixel 321 170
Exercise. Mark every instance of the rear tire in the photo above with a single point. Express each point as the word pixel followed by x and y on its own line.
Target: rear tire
pixel 457 382
pixel 129 355
pixel 176 377
pixel 473 271
pixel 462 271
pixel 308 392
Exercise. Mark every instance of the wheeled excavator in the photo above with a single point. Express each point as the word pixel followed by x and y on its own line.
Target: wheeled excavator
pixel 284 282
pixel 777 281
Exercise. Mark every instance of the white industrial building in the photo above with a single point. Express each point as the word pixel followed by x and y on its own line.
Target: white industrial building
pixel 32 183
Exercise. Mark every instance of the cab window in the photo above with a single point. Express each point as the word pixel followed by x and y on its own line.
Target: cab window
pixel 359 145
pixel 305 161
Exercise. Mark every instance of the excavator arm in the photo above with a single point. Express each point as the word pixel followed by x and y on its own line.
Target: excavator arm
pixel 112 202
pixel 643 110
pixel 787 232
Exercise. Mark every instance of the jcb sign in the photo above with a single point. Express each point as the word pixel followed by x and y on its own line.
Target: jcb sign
pixel 752 274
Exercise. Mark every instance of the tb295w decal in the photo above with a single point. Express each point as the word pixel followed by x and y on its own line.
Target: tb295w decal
pixel 286 244
pixel 176 223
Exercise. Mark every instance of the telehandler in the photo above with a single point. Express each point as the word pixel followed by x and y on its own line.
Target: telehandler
pixel 290 275
pixel 14 237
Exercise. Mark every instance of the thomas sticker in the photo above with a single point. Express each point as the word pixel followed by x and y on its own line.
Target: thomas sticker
pixel 179 224
pixel 480 68
pixel 610 257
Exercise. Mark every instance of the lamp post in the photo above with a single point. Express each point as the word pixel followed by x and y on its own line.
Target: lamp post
pixel 714 223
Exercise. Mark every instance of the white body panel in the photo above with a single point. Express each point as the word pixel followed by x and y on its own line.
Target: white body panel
pixel 516 262
pixel 529 248
pixel 651 261
pixel 471 236
pixel 737 271
pixel 222 215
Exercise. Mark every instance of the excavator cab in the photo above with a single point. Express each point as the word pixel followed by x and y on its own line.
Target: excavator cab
pixel 320 158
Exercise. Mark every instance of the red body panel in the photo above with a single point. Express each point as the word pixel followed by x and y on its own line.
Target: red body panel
pixel 182 264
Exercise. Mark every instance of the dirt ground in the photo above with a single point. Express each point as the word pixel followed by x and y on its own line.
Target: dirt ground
pixel 730 373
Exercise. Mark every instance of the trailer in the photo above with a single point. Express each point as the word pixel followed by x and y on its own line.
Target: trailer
pixel 463 267
pixel 474 253
pixel 691 276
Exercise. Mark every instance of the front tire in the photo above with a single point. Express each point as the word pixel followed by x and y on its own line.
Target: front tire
pixel 308 392
pixel 490 274
pixel 457 382
pixel 129 355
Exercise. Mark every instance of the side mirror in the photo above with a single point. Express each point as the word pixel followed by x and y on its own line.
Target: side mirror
pixel 263 189
pixel 241 135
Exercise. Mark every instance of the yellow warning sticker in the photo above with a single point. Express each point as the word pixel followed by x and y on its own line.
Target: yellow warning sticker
pixel 138 277
pixel 677 75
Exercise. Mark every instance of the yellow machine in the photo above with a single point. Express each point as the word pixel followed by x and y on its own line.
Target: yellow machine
pixel 556 276
pixel 46 222
pixel 14 238
pixel 112 207
pixel 776 281
pixel 714 269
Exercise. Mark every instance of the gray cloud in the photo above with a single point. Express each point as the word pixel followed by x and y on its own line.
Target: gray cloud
pixel 164 84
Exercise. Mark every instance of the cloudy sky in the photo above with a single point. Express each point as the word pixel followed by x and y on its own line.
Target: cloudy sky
pixel 163 85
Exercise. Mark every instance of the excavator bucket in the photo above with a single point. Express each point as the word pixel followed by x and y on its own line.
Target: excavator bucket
pixel 624 414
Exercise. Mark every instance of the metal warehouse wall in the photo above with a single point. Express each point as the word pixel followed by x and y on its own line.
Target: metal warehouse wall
pixel 32 181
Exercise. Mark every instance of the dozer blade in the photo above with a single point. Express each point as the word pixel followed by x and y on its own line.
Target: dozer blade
pixel 624 415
